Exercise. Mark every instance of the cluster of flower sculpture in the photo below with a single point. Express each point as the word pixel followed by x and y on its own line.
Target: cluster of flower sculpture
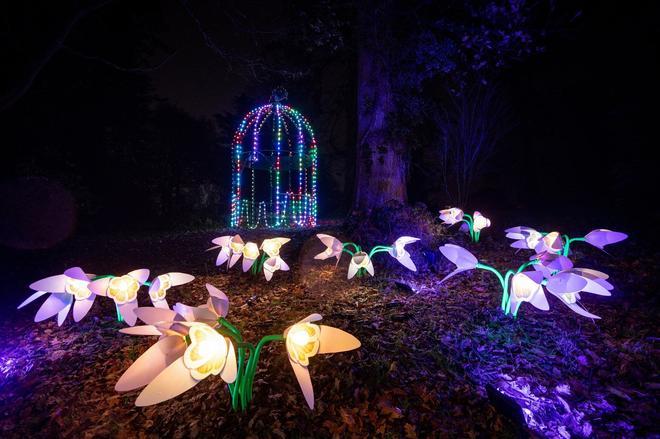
pixel 361 260
pixel 551 269
pixel 233 247
pixel 472 224
pixel 77 289
pixel 195 342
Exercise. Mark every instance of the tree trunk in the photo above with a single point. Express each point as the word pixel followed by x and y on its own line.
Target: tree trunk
pixel 381 159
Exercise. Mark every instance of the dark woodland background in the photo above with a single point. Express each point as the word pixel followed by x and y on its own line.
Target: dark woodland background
pixel 117 116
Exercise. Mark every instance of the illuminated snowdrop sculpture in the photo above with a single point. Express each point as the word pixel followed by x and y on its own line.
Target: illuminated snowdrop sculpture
pixel 274 143
pixel 197 342
pixel 361 261
pixel 529 238
pixel 553 272
pixel 66 290
pixel 472 224
pixel 79 289
pixel 233 247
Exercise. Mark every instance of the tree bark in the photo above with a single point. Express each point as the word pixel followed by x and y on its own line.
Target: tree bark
pixel 381 159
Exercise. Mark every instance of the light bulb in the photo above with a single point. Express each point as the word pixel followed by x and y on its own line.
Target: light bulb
pixel 301 338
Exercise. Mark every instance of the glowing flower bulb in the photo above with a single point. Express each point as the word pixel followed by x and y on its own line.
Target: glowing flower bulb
pixel 161 284
pixel 66 290
pixel 526 287
pixel 271 265
pixel 524 237
pixel 480 222
pixel 77 288
pixel 272 246
pixel 250 254
pixel 400 253
pixel 451 216
pixel 304 340
pixel 551 243
pixel 207 353
pixel 358 261
pixel 334 247
pixel 123 290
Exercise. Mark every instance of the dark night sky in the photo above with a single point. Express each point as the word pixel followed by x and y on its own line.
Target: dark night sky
pixel 585 108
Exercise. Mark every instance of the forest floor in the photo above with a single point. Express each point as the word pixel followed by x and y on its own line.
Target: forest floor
pixel 435 361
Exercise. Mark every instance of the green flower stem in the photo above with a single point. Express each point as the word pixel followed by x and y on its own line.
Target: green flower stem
pixel 379 249
pixel 232 328
pixel 120 318
pixel 103 276
pixel 348 251
pixel 470 222
pixel 492 270
pixel 254 359
pixel 567 243
pixel 527 264
pixel 355 246
pixel 506 296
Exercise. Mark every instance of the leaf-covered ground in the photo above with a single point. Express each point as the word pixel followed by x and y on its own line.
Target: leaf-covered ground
pixel 434 362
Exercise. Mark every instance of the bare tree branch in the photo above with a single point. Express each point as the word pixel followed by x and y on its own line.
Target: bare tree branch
pixel 116 66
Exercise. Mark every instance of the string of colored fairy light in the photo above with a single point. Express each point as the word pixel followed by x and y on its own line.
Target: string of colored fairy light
pixel 288 208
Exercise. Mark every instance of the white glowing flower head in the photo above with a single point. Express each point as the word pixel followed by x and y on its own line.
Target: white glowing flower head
pixel 480 222
pixel 400 253
pixel 123 289
pixel 358 261
pixel 77 288
pixel 164 284
pixel 207 352
pixel 451 216
pixel 302 342
pixel 272 246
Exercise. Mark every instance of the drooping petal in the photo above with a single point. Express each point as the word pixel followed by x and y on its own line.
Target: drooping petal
pixel 247 263
pixel 141 330
pixel 540 301
pixel 55 303
pixel 305 382
pixel 283 265
pixel 602 237
pixel 218 301
pixel 223 255
pixel 82 307
pixel 195 313
pixel 152 316
pixel 127 311
pixel 52 284
pixel 230 370
pixel 150 364
pixel 370 267
pixel 268 275
pixel 222 241
pixel 32 298
pixel 76 273
pixel 579 310
pixel 171 382
pixel 352 269
pixel 177 278
pixel 61 316
pixel 459 256
pixel 99 287
pixel 562 283
pixel 407 262
pixel 234 258
pixel 140 275
pixel 335 340
pixel 162 304
pixel 311 318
